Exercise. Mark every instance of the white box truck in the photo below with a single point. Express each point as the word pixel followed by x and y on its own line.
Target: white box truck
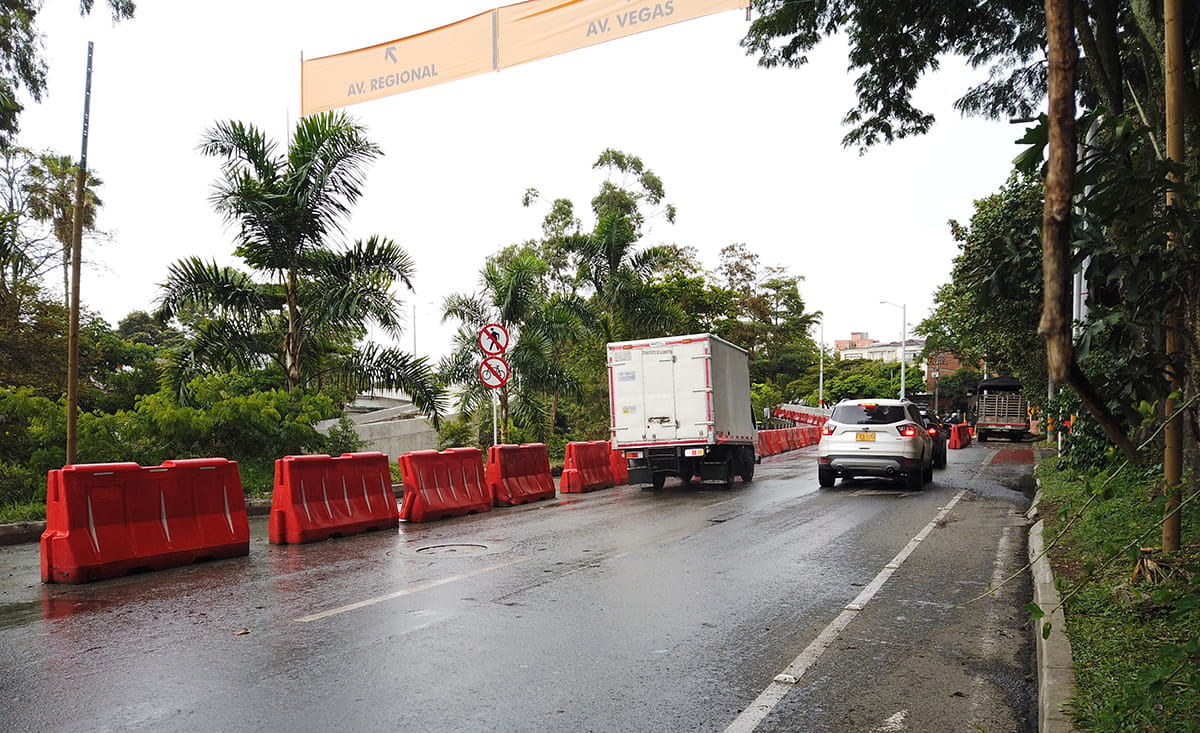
pixel 680 406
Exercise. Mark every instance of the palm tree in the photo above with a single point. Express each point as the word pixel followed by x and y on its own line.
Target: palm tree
pixel 608 258
pixel 312 298
pixel 513 294
pixel 50 188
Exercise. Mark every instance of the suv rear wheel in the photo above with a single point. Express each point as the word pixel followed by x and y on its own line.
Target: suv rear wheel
pixel 826 478
pixel 914 480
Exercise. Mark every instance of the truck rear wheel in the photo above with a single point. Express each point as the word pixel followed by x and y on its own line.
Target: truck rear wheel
pixel 746 465
pixel 658 480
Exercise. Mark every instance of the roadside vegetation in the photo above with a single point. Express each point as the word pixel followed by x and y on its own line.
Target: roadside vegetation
pixel 1132 612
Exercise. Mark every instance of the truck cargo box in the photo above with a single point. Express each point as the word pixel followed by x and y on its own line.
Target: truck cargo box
pixel 680 389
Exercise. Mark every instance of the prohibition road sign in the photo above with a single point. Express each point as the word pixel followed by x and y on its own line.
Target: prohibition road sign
pixel 493 339
pixel 493 372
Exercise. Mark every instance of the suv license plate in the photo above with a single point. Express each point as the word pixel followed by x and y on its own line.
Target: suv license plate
pixel 868 437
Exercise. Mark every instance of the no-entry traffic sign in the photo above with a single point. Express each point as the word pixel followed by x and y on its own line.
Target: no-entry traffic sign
pixel 493 339
pixel 493 372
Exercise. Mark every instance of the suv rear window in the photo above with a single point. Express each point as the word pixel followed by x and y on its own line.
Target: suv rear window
pixel 868 414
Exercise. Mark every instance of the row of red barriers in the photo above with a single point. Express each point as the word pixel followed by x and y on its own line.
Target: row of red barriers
pixel 318 497
pixel 106 520
pixel 960 436
pixel 806 416
pixel 774 442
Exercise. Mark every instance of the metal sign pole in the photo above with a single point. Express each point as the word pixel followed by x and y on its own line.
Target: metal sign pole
pixel 495 427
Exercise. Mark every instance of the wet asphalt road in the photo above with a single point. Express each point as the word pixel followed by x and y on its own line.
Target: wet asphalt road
pixel 619 610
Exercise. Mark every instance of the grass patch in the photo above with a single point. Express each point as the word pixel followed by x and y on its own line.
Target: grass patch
pixel 33 511
pixel 1135 643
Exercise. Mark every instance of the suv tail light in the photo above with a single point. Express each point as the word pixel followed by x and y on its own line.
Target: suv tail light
pixel 932 431
pixel 826 429
pixel 908 431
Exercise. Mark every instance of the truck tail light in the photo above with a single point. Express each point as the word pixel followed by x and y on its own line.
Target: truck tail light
pixel 633 454
pixel 932 431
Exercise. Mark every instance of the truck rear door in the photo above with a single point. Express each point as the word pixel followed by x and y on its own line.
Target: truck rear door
pixel 658 385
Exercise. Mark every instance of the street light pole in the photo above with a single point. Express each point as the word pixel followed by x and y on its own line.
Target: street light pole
pixel 903 338
pixel 821 378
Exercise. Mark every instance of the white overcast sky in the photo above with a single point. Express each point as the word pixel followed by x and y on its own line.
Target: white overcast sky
pixel 747 154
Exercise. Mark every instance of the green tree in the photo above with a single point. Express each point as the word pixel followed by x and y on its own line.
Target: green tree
pixel 50 186
pixel 611 268
pixel 317 296
pixel 848 379
pixel 21 63
pixel 25 251
pixel 767 317
pixel 988 312
pixel 514 294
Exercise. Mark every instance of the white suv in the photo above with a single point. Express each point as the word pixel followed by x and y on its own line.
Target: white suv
pixel 875 438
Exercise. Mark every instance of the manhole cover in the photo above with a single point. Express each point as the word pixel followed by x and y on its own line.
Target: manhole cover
pixel 451 550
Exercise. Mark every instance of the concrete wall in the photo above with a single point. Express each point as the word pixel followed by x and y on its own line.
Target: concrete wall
pixel 397 437
pixel 392 430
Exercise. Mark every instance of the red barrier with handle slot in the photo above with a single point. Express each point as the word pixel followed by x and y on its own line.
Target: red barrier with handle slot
pixel 319 497
pixel 587 467
pixel 105 520
pixel 518 474
pixel 440 484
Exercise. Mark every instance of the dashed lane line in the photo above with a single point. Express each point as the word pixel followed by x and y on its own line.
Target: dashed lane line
pixel 407 591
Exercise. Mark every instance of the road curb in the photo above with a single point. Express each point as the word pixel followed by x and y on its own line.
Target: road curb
pixel 1056 676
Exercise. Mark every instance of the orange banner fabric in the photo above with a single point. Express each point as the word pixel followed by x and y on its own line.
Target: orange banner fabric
pixel 538 29
pixel 452 52
pixel 497 39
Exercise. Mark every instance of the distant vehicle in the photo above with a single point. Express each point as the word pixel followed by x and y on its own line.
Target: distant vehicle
pixel 1001 409
pixel 886 438
pixel 939 430
pixel 680 406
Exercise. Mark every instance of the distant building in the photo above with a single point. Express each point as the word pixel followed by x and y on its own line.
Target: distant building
pixel 857 340
pixel 941 363
pixel 858 346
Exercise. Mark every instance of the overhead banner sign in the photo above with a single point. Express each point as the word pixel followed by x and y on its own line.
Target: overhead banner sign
pixel 497 39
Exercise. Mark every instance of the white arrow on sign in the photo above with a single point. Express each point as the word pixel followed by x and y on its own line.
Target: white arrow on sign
pixel 493 372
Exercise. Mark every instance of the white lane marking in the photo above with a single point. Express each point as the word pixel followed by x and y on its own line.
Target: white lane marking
pixel 893 723
pixel 756 711
pixel 989 645
pixel 407 591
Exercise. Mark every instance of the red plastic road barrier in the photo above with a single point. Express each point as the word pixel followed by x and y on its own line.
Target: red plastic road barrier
pixel 443 484
pixel 517 474
pixel 764 444
pixel 960 436
pixel 318 497
pixel 105 520
pixel 586 467
pixel 620 467
pixel 776 440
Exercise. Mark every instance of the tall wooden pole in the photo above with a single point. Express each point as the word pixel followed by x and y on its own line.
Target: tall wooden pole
pixel 76 256
pixel 1173 431
pixel 1062 56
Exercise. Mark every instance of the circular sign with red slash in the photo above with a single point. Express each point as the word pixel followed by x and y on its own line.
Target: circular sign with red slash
pixel 493 372
pixel 493 339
